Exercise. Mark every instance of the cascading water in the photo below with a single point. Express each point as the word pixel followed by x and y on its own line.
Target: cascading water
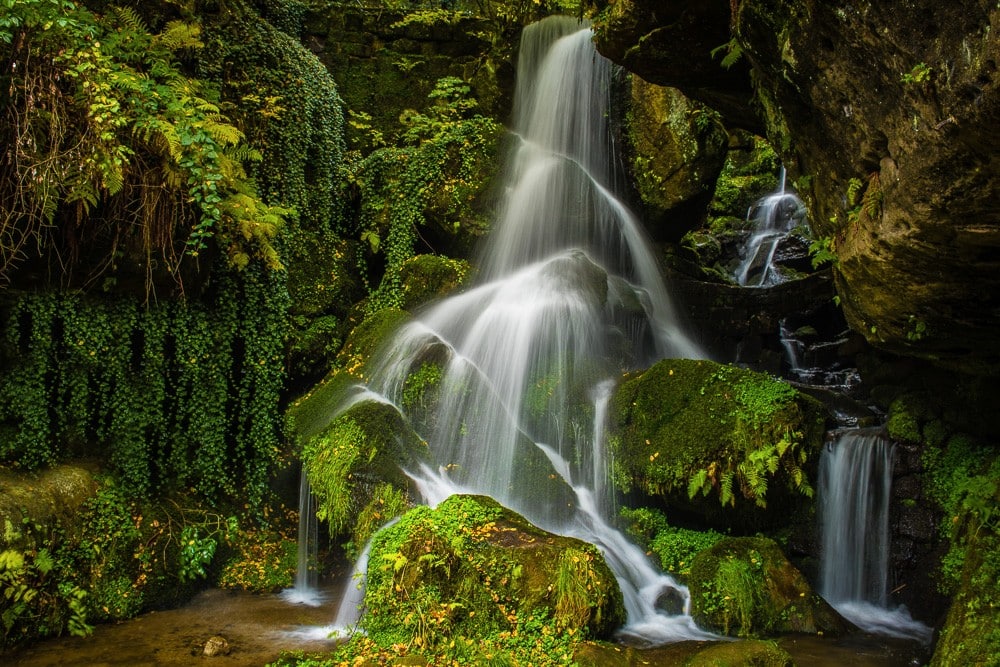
pixel 305 590
pixel 855 477
pixel 772 217
pixel 569 296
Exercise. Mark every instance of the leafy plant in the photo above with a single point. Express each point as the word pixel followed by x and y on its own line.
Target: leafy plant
pixel 920 73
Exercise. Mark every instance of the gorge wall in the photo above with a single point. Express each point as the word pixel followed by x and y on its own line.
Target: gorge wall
pixel 885 120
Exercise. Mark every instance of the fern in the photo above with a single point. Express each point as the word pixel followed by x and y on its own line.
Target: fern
pixel 179 35
pixel 853 188
pixel 871 201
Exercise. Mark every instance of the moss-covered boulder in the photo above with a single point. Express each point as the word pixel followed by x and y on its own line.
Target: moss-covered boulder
pixel 678 148
pixel 744 586
pixel 692 433
pixel 428 277
pixel 472 569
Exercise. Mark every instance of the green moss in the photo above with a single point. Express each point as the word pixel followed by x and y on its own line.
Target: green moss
pixel 353 456
pixel 971 633
pixel 472 569
pixel 686 427
pixel 744 586
pixel 749 653
pixel 427 277
pixel 675 547
pixel 906 415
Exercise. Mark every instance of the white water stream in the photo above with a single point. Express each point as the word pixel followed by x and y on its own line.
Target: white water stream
pixel 855 478
pixel 569 295
pixel 773 217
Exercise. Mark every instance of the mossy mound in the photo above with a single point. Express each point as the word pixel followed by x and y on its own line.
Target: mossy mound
pixel 349 462
pixel 473 569
pixel 686 429
pixel 313 411
pixel 43 501
pixel 427 277
pixel 744 586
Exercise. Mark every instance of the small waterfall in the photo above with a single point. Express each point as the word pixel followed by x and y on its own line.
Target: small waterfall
pixel 569 295
pixel 772 217
pixel 855 479
pixel 305 590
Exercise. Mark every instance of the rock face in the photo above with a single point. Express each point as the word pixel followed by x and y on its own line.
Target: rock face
pixel 886 115
pixel 678 148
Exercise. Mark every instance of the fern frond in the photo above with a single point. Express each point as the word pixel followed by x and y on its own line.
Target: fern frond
pixel 223 133
pixel 177 35
pixel 130 19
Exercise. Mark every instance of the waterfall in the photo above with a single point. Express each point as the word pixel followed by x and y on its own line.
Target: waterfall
pixel 855 478
pixel 772 218
pixel 569 296
pixel 305 590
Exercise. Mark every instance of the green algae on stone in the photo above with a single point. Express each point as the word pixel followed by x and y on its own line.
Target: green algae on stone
pixel 471 568
pixel 746 653
pixel 745 587
pixel 685 429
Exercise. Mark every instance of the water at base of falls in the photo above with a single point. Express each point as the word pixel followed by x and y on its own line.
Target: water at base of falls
pixel 855 478
pixel 569 296
pixel 306 590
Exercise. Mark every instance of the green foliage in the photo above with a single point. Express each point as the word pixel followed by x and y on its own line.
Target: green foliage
pixel 439 172
pixel 920 73
pixel 33 601
pixel 261 558
pixel 963 478
pixel 329 459
pixel 288 106
pixel 823 251
pixel 173 396
pixel 117 138
pixel 675 547
pixel 733 51
pixel 735 594
pixel 754 426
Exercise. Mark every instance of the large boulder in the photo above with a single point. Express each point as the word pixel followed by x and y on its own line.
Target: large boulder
pixel 692 433
pixel 677 151
pixel 744 586
pixel 885 116
pixel 472 568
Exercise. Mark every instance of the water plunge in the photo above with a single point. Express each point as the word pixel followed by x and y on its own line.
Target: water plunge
pixel 855 478
pixel 569 296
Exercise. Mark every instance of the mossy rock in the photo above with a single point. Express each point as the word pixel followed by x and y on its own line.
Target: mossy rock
pixel 971 633
pixel 692 433
pixel 678 148
pixel 428 277
pixel 362 449
pixel 35 506
pixel 472 568
pixel 748 653
pixel 313 411
pixel 744 586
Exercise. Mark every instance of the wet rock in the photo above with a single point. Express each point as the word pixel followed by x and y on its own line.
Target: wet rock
pixel 471 567
pixel 216 646
pixel 744 586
